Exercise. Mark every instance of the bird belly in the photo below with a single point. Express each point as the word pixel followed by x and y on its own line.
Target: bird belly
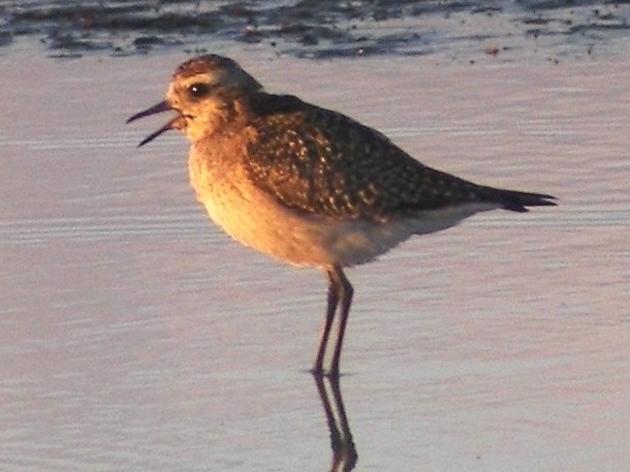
pixel 260 221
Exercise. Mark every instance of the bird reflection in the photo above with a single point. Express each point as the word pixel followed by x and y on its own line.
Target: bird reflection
pixel 344 456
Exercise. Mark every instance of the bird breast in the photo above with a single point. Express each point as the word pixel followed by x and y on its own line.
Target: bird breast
pixel 259 220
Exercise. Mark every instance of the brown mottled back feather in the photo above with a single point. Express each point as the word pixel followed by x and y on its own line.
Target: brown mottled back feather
pixel 322 162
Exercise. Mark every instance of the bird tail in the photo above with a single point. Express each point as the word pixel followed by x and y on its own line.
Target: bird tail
pixel 519 201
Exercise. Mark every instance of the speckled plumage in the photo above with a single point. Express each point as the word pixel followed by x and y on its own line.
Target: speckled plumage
pixel 322 162
pixel 307 185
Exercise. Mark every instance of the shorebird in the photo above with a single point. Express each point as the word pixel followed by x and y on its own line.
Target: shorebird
pixel 307 185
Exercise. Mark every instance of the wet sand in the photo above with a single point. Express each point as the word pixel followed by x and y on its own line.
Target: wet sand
pixel 451 30
pixel 135 336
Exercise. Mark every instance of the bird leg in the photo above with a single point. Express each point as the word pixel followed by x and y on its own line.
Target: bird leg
pixel 333 301
pixel 345 291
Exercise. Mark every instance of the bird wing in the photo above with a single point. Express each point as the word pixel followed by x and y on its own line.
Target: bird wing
pixel 321 162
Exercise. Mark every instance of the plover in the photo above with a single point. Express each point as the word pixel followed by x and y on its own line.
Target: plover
pixel 307 185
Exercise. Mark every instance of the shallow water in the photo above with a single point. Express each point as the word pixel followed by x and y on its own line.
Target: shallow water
pixel 135 336
pixel 455 30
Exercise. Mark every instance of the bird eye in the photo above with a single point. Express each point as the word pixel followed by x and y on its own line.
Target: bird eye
pixel 198 90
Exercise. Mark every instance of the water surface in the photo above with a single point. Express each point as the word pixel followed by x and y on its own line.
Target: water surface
pixel 135 336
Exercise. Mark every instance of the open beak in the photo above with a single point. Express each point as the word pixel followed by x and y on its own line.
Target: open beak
pixel 158 108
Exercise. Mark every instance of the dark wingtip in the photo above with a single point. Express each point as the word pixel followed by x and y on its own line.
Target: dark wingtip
pixel 520 201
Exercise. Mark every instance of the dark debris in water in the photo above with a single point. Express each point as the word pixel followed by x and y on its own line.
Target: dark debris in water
pixel 317 28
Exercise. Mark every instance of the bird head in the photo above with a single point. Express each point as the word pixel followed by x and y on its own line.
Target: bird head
pixel 206 93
